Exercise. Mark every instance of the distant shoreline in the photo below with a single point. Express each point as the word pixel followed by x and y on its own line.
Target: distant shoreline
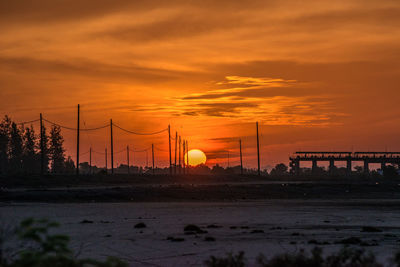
pixel 195 188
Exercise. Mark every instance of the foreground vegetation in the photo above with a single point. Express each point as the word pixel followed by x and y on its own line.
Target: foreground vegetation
pixel 36 245
pixel 346 257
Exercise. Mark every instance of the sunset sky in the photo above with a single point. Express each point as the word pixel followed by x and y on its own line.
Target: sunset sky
pixel 317 75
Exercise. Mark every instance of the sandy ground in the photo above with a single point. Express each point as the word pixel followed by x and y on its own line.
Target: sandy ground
pixel 286 226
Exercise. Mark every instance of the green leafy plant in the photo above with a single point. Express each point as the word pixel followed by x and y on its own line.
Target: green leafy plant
pixel 40 248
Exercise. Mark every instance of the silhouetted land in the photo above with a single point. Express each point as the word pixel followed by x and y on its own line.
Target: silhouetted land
pixel 124 188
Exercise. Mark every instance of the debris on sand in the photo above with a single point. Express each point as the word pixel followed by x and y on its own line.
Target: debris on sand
pixel 190 233
pixel 86 221
pixel 194 228
pixel 371 229
pixel 175 239
pixel 209 239
pixel 140 225
pixel 213 226
pixel 350 241
pixel 315 242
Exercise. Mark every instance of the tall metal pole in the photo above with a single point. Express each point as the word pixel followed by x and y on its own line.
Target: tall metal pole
pixel 90 160
pixel 127 157
pixel 179 156
pixel 77 143
pixel 147 158
pixel 169 146
pixel 228 159
pixel 152 156
pixel 187 152
pixel 176 144
pixel 41 146
pixel 258 151
pixel 106 160
pixel 183 157
pixel 112 148
pixel 240 153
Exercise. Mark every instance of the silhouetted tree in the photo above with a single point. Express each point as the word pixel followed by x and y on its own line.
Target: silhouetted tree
pixel 390 172
pixel 46 150
pixel 30 159
pixel 69 165
pixel 15 149
pixel 57 150
pixel 5 127
pixel 359 169
pixel 217 169
pixel 279 170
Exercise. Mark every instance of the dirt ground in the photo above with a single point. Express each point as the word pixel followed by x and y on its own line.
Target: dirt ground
pixel 262 226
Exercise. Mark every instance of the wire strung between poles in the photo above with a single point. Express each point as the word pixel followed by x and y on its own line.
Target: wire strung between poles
pixel 82 154
pixel 143 150
pixel 123 150
pixel 75 129
pixel 161 150
pixel 101 153
pixel 27 122
pixel 131 132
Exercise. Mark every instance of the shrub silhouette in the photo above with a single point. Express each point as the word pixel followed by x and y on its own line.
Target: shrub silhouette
pixel 41 249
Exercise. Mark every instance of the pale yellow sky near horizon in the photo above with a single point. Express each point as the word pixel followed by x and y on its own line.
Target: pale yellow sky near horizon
pixel 315 74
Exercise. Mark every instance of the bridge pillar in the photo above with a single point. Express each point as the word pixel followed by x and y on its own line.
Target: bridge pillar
pixel 314 166
pixel 348 167
pixel 383 165
pixel 366 166
pixel 297 167
pixel 331 166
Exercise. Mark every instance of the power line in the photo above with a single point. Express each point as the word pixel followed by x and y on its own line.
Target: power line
pixel 27 122
pixel 75 129
pixel 131 132
pixel 81 154
pixel 142 150
pixel 120 151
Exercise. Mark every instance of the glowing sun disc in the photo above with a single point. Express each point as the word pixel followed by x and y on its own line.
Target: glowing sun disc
pixel 196 157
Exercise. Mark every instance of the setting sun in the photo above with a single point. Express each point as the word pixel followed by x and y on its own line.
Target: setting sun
pixel 196 157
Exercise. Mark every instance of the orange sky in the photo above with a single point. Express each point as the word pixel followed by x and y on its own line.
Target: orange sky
pixel 316 75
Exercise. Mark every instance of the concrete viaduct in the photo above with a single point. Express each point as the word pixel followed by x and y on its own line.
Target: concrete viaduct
pixel 382 158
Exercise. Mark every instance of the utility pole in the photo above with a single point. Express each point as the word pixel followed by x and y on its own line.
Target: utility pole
pixel 90 161
pixel 147 157
pixel 258 151
pixel 240 153
pixel 112 147
pixel 127 157
pixel 152 155
pixel 106 159
pixel 179 156
pixel 169 146
pixel 77 143
pixel 41 146
pixel 228 159
pixel 187 153
pixel 176 144
pixel 183 157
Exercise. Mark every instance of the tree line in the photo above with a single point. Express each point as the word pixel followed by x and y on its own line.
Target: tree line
pixel 21 150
